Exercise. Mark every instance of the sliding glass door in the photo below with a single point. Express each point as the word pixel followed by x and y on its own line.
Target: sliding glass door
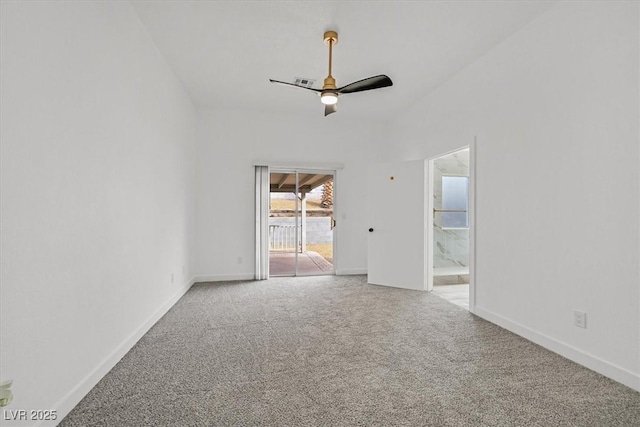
pixel 284 223
pixel 301 224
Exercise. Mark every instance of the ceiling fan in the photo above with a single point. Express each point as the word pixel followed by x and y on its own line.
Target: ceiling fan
pixel 330 92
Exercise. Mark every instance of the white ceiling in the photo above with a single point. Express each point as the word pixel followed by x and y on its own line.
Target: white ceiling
pixel 224 52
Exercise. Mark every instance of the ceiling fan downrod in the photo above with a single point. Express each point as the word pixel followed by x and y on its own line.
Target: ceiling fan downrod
pixel 330 38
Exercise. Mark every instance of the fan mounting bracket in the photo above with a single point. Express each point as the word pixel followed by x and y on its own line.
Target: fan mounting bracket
pixel 331 37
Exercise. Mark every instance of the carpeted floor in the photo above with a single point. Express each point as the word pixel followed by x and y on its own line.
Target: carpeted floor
pixel 334 351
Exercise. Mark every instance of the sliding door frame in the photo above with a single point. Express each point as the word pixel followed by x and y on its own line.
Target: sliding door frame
pixel 262 256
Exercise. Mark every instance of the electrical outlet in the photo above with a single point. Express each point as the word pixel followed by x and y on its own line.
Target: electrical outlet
pixel 171 277
pixel 239 260
pixel 580 319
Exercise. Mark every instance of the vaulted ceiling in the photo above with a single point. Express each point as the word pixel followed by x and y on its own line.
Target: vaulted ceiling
pixel 224 52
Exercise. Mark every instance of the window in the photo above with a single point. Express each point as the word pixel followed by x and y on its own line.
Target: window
pixel 455 202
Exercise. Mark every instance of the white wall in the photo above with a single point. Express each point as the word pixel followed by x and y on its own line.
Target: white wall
pixel 97 194
pixel 228 144
pixel 555 112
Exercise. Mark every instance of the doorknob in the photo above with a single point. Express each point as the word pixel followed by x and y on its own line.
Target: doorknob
pixel 371 230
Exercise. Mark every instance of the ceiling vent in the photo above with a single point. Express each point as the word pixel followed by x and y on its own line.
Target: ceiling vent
pixel 303 82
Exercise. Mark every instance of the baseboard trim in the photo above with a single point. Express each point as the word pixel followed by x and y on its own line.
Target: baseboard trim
pixel 223 277
pixel 251 276
pixel 71 399
pixel 351 272
pixel 594 363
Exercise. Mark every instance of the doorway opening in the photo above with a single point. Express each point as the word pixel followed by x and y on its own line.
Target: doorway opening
pixel 301 223
pixel 450 223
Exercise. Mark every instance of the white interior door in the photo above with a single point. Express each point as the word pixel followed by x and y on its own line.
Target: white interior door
pixel 396 246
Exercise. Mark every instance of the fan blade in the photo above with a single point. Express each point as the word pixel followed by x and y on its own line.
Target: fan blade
pixel 328 109
pixel 375 82
pixel 291 84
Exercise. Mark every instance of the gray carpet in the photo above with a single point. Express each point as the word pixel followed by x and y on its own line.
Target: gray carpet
pixel 333 351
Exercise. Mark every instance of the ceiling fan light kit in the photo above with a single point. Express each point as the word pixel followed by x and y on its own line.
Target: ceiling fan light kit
pixel 329 98
pixel 330 92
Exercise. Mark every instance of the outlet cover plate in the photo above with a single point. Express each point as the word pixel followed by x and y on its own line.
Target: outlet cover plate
pixel 580 319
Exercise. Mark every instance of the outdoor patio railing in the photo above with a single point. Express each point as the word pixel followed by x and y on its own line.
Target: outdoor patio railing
pixel 283 238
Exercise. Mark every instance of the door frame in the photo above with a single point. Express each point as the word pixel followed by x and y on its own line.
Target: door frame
pixel 472 220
